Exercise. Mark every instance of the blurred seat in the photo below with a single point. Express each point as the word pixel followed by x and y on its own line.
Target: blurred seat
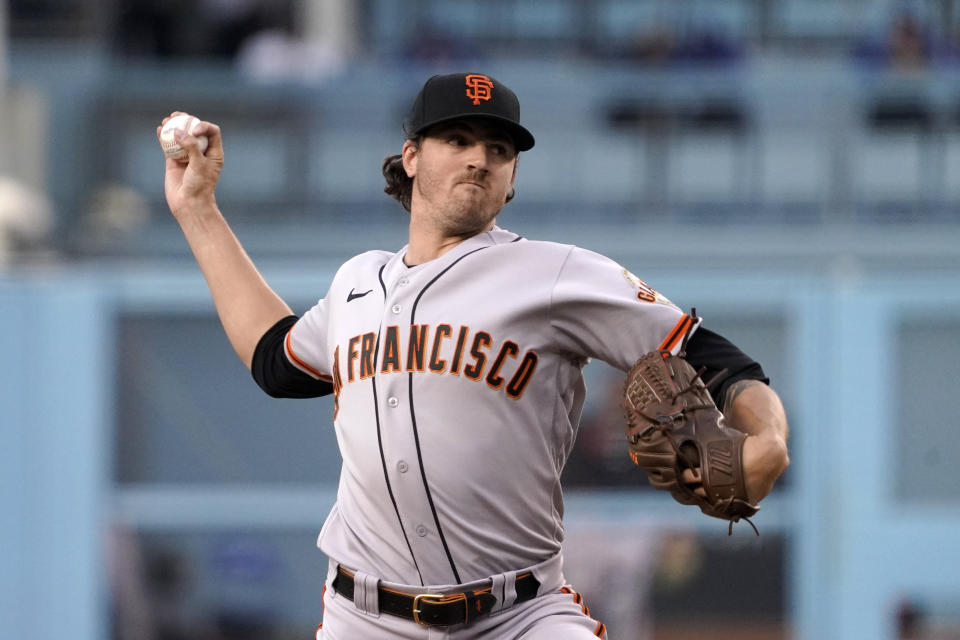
pixel 711 156
pixel 897 165
pixel 647 122
pixel 898 113
pixel 951 155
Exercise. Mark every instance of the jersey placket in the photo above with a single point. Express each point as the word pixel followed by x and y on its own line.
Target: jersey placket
pixel 406 472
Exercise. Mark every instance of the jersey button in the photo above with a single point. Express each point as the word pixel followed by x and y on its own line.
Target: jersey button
pixel 396 308
pixel 421 530
pixel 403 282
pixel 402 466
pixel 393 402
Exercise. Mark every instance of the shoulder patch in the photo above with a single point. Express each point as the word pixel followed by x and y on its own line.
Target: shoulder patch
pixel 645 292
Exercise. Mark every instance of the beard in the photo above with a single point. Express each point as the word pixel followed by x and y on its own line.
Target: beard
pixel 464 209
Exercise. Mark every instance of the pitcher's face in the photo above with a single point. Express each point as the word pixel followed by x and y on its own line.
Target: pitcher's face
pixel 462 172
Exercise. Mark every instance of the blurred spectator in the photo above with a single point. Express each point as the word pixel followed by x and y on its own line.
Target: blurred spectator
pixel 439 47
pixel 616 567
pixel 909 619
pixel 113 215
pixel 148 589
pixel 179 28
pixel 168 580
pixel 275 55
pixel 661 46
pixel 653 47
pixel 147 28
pixel 257 34
pixel 247 570
pixel 907 45
pixel 26 220
pixel 612 567
pixel 132 612
pixel 708 47
pixel 232 22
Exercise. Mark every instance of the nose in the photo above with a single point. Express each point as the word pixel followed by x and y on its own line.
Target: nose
pixel 478 156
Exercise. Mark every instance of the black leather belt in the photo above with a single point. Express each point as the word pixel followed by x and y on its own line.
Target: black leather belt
pixel 432 609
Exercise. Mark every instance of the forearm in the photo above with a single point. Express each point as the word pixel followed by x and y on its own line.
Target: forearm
pixel 246 304
pixel 754 408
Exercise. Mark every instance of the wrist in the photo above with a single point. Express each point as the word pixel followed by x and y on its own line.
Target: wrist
pixel 196 208
pixel 764 460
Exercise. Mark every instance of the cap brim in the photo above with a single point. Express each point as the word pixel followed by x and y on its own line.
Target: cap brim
pixel 522 139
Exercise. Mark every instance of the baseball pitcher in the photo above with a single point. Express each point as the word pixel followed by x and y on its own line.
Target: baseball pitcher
pixel 455 365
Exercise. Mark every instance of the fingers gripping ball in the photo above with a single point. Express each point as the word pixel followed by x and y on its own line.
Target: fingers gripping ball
pixel 168 142
pixel 673 425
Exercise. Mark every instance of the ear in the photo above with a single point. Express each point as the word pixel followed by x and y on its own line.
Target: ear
pixel 409 154
pixel 513 178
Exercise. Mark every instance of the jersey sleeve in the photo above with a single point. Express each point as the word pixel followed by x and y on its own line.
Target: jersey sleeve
pixel 714 353
pixel 601 310
pixel 305 345
pixel 273 371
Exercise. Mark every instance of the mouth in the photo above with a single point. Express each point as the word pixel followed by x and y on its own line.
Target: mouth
pixel 473 183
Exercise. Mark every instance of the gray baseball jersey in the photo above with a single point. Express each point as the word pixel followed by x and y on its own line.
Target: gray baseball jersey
pixel 458 391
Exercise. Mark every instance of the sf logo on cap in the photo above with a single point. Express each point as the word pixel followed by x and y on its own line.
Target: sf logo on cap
pixel 479 87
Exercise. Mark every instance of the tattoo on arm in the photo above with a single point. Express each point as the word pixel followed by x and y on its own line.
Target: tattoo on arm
pixel 736 389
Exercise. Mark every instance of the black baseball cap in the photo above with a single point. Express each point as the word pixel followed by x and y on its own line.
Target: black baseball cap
pixel 468 95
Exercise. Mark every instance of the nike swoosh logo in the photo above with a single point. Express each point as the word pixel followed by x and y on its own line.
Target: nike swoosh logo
pixel 353 296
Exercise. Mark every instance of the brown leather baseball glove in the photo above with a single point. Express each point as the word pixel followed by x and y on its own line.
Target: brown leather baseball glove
pixel 673 424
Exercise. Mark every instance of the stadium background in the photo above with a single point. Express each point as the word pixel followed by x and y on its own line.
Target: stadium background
pixel 790 167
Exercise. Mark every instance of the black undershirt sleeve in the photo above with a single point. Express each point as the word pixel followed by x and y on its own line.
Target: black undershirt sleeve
pixel 708 349
pixel 275 374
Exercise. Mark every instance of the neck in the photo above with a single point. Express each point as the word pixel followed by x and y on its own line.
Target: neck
pixel 429 243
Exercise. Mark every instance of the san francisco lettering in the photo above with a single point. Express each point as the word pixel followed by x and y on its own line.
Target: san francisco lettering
pixel 440 349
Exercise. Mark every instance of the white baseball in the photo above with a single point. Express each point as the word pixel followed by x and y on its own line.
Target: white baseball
pixel 169 144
